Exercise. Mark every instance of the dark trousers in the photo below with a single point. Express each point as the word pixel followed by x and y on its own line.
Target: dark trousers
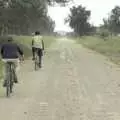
pixel 39 52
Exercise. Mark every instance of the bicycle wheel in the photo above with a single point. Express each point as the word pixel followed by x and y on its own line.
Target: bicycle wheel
pixel 11 81
pixel 8 83
pixel 8 88
pixel 40 62
pixel 36 62
pixel 12 77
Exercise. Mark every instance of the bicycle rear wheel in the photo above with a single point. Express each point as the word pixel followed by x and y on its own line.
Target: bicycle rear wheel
pixel 8 87
pixel 11 82
pixel 35 66
pixel 40 62
pixel 36 62
pixel 10 76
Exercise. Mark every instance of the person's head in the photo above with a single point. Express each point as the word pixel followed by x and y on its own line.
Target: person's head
pixel 37 33
pixel 10 39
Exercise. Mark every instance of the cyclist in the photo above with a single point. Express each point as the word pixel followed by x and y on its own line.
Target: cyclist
pixel 10 51
pixel 37 46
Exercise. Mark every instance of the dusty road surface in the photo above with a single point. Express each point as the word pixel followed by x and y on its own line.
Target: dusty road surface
pixel 74 84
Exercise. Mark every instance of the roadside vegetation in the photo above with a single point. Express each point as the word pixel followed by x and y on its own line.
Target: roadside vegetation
pixel 110 47
pixel 104 38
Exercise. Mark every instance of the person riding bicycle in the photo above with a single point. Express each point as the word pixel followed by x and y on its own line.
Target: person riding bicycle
pixel 37 46
pixel 10 51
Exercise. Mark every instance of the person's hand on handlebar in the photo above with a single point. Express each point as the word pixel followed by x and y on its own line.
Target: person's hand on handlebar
pixel 22 58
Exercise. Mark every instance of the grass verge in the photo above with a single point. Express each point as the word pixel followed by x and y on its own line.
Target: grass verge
pixel 110 47
pixel 25 43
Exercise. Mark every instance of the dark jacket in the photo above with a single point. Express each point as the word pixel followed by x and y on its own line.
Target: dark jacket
pixel 10 51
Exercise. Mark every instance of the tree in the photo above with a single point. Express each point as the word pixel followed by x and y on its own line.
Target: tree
pixel 112 23
pixel 62 2
pixel 79 20
pixel 26 16
pixel 20 15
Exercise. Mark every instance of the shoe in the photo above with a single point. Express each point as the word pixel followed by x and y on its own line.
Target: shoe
pixel 40 65
pixel 5 83
pixel 15 79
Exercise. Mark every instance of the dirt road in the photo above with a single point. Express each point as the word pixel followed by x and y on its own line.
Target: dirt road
pixel 74 84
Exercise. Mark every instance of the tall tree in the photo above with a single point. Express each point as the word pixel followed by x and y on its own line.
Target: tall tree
pixel 79 20
pixel 25 16
pixel 112 23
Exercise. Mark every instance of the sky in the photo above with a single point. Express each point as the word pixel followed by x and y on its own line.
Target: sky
pixel 99 10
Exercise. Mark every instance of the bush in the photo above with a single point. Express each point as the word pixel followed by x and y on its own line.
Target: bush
pixel 104 34
pixel 110 48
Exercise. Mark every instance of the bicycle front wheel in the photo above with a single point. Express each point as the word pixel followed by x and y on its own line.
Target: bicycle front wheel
pixel 11 82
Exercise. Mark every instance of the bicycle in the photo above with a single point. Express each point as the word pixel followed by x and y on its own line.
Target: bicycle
pixel 10 78
pixel 37 61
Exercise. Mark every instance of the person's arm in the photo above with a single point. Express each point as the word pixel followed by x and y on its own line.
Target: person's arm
pixel 32 41
pixel 2 49
pixel 20 51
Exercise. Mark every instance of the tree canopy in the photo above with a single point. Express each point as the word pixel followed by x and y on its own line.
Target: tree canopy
pixel 112 23
pixel 78 19
pixel 26 16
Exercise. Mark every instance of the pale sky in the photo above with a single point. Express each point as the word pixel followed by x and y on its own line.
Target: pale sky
pixel 99 10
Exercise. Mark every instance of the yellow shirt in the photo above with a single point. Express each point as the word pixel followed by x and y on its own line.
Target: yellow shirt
pixel 37 41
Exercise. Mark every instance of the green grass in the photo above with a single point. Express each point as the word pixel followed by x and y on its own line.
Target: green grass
pixel 48 40
pixel 25 42
pixel 110 47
